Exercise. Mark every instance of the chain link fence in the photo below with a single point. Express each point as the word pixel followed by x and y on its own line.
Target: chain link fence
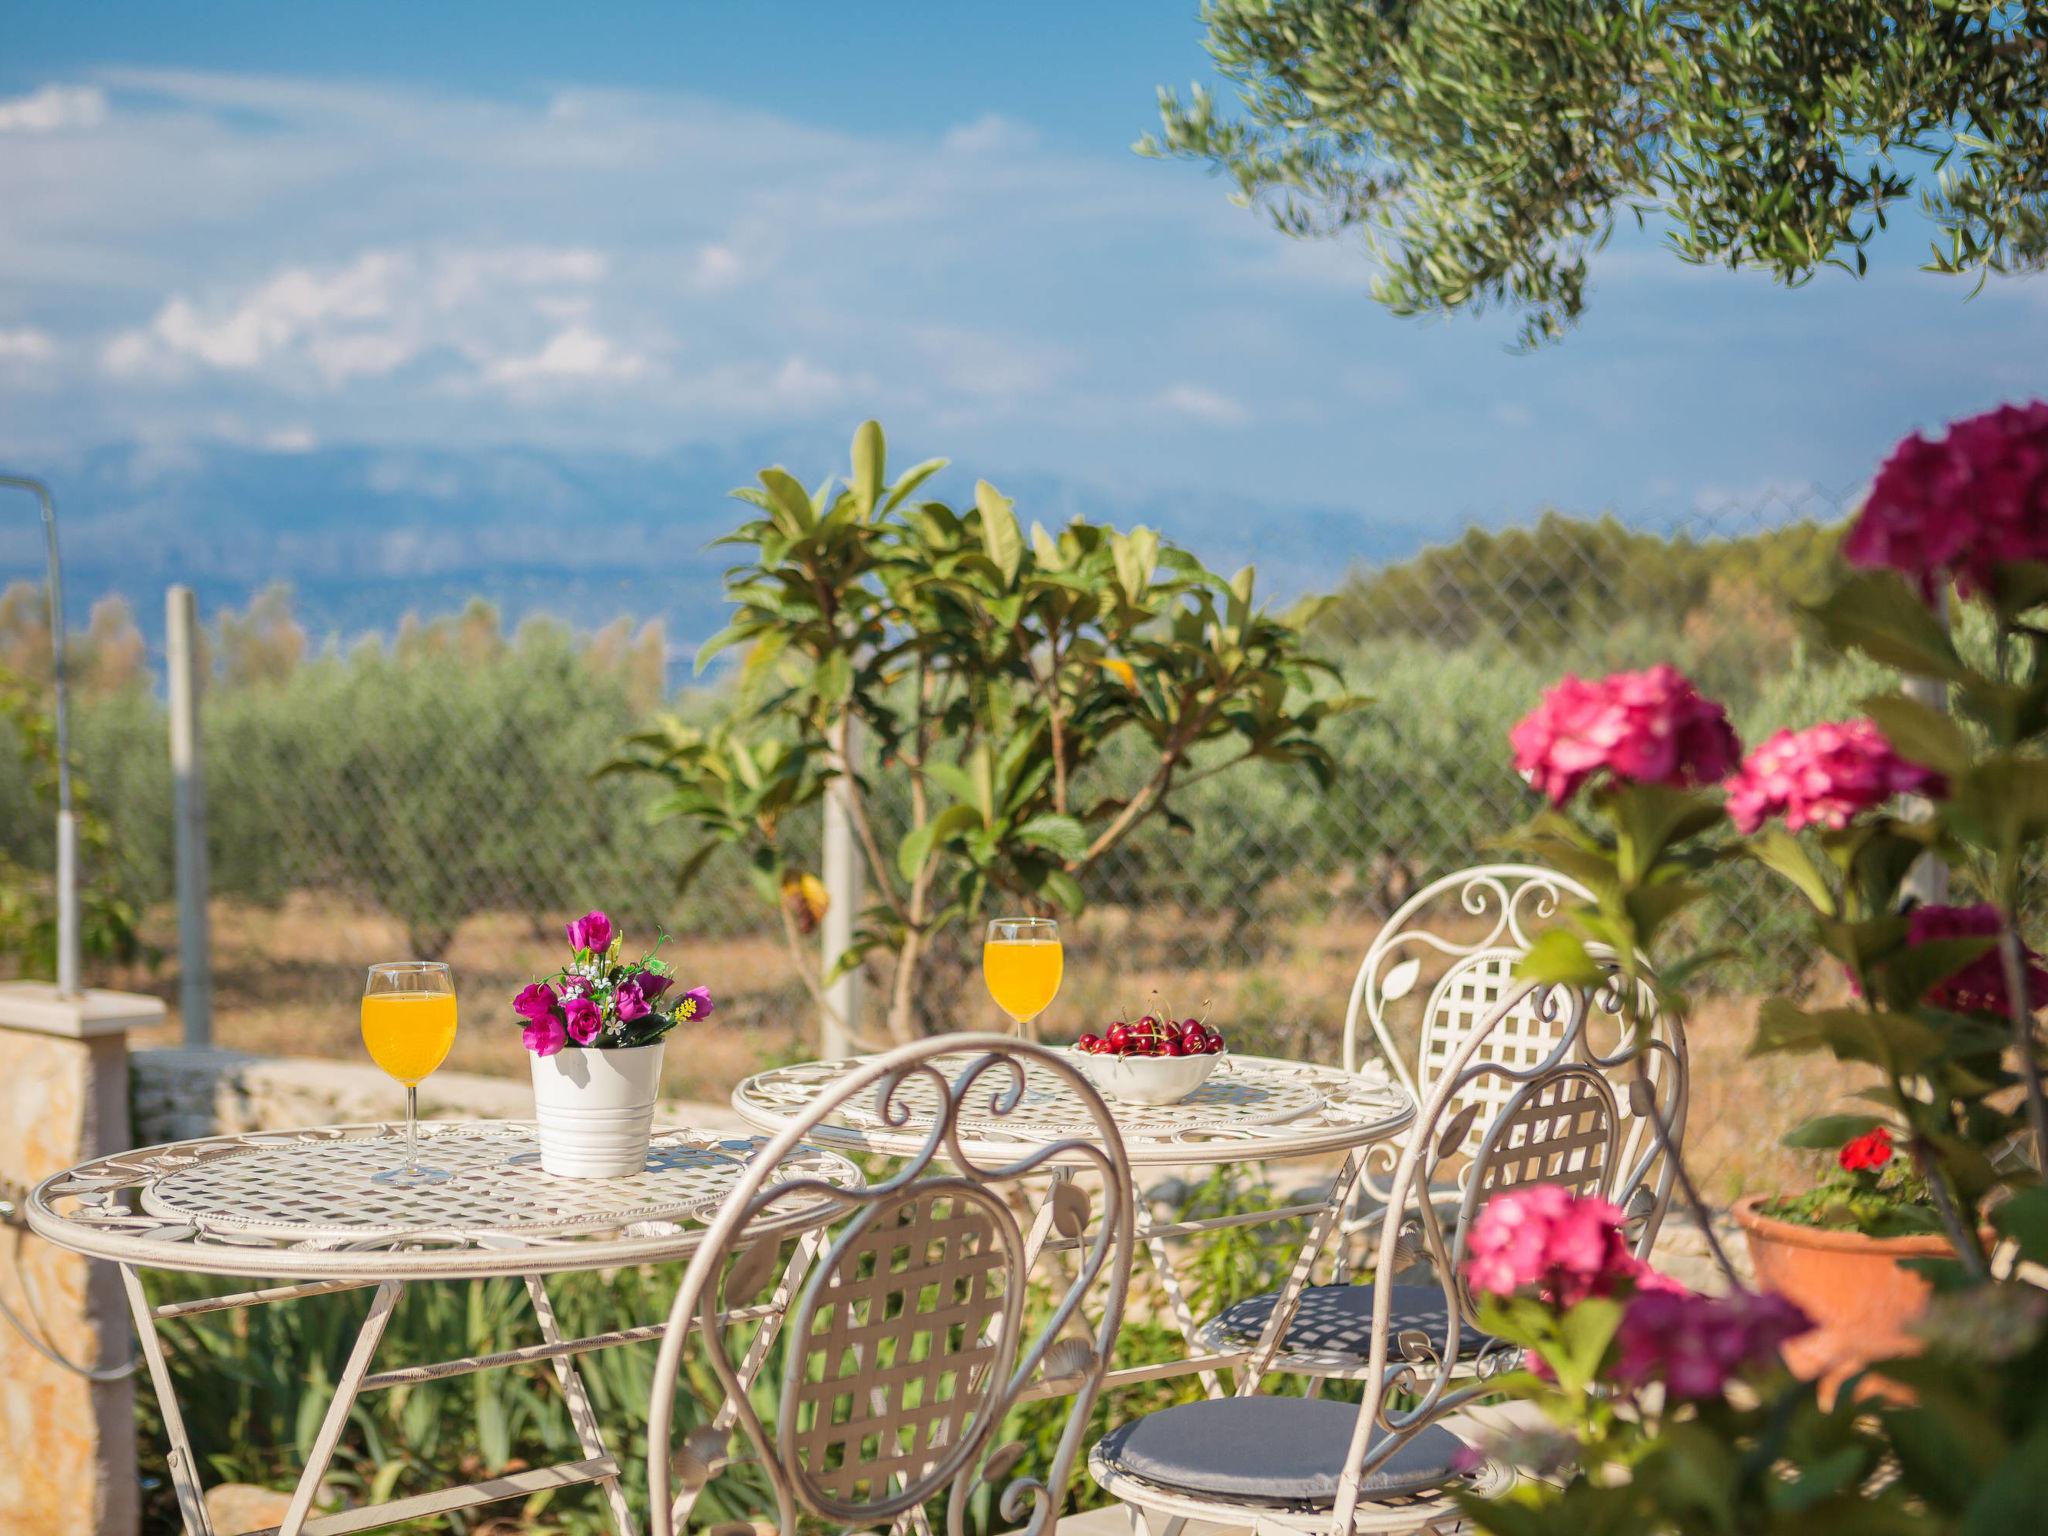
pixel 434 795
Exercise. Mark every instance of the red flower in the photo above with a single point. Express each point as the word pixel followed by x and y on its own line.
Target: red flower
pixel 1960 505
pixel 1650 727
pixel 1823 775
pixel 1868 1152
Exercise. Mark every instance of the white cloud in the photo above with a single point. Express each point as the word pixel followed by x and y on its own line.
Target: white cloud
pixel 718 266
pixel 54 108
pixel 1205 405
pixel 27 345
pixel 364 320
pixel 990 134
pixel 290 440
pixel 575 355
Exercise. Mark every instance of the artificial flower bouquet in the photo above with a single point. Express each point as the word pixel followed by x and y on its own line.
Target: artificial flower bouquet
pixel 601 1001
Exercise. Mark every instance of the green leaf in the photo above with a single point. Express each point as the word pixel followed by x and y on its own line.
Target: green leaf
pixel 792 508
pixel 910 480
pixel 1064 892
pixel 1000 535
pixel 1826 1131
pixel 1875 612
pixel 1559 955
pixel 1062 835
pixel 869 454
pixel 731 635
pixel 1895 1041
pixel 918 843
pixel 2024 1219
pixel 1776 849
pixel 1921 733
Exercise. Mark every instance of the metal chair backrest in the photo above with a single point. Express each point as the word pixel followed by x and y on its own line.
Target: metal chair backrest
pixel 1559 1121
pixel 907 1342
pixel 1489 907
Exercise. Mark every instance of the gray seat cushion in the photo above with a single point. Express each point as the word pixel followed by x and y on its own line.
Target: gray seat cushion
pixel 1338 1318
pixel 1271 1450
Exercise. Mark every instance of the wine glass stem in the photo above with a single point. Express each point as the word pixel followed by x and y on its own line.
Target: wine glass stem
pixel 412 1128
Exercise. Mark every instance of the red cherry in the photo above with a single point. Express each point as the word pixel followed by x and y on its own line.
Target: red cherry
pixel 1147 1024
pixel 1088 1043
pixel 1173 1047
pixel 1213 1039
pixel 1119 1036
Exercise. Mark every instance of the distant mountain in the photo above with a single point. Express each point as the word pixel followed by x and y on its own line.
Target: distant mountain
pixel 364 535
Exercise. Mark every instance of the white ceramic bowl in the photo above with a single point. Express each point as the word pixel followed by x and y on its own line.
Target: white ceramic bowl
pixel 1147 1079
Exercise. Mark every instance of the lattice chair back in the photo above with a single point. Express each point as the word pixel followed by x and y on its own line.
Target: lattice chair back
pixel 1558 1121
pixel 1488 907
pixel 906 1343
pixel 1480 995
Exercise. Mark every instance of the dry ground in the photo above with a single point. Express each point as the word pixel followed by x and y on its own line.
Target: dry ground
pixel 286 982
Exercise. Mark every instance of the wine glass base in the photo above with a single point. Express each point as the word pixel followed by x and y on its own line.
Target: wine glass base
pixel 410 1178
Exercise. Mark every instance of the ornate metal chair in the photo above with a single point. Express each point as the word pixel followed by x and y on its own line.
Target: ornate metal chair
pixel 906 1340
pixel 1391 1462
pixel 1483 1033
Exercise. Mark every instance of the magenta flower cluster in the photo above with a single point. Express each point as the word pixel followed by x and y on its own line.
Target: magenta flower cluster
pixel 1650 727
pixel 1978 987
pixel 1957 505
pixel 596 1000
pixel 1823 776
pixel 1543 1240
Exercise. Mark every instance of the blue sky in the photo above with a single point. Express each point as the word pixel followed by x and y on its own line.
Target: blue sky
pixel 640 228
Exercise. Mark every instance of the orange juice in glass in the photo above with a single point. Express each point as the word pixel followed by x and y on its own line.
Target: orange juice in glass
pixel 408 1026
pixel 1022 961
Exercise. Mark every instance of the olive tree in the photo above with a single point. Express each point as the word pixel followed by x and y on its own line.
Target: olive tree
pixel 1485 148
pixel 995 676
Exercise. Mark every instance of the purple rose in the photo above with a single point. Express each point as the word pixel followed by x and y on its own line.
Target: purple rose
pixel 694 1004
pixel 583 1019
pixel 536 1002
pixel 544 1036
pixel 652 984
pixel 629 1001
pixel 592 931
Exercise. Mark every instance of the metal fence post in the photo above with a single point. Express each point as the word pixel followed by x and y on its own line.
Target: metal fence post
pixel 840 1024
pixel 188 811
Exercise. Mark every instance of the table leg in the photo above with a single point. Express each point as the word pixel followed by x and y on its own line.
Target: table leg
pixel 344 1400
pixel 184 1470
pixel 1289 1299
pixel 582 1416
pixel 1176 1298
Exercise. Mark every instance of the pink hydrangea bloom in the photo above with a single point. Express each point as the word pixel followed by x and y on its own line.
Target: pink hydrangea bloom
pixel 1958 505
pixel 1978 987
pixel 1693 1343
pixel 1649 727
pixel 1822 776
pixel 1544 1238
pixel 545 1036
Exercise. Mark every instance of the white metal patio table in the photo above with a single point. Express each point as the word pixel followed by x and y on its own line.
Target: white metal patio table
pixel 299 1207
pixel 1251 1109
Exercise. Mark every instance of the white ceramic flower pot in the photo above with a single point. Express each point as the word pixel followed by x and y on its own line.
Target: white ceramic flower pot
pixel 595 1109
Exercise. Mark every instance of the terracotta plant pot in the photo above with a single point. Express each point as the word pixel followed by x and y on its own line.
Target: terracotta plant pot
pixel 1854 1287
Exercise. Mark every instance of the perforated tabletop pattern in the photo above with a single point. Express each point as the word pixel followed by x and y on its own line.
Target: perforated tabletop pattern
pixel 302 1203
pixel 1250 1107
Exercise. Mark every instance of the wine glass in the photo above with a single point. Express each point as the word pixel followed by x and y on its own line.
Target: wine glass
pixel 408 1025
pixel 1021 960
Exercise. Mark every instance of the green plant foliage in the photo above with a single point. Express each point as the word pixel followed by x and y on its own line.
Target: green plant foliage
pixel 1001 678
pixel 1486 148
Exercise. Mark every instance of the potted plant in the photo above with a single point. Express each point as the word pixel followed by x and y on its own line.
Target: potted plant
pixel 595 1030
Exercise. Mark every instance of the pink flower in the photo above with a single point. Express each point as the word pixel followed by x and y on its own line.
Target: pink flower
pixel 629 1002
pixel 535 1002
pixel 1960 505
pixel 1544 1238
pixel 1693 1343
pixel 652 984
pixel 1978 987
pixel 695 1004
pixel 545 1036
pixel 1650 727
pixel 583 1019
pixel 1823 776
pixel 593 932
